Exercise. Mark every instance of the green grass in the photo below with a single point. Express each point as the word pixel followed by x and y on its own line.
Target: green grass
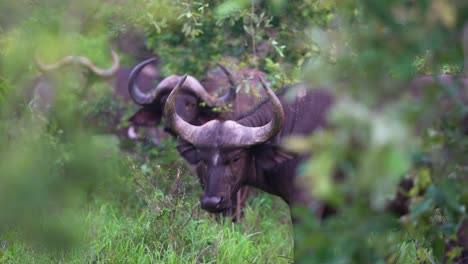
pixel 171 235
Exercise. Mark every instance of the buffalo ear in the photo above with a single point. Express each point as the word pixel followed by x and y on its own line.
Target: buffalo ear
pixel 188 152
pixel 146 116
pixel 268 157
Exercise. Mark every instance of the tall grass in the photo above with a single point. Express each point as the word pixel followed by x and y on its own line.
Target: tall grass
pixel 168 227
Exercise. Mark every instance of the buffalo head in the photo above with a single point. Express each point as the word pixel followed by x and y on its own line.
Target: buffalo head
pixel 188 105
pixel 43 93
pixel 221 149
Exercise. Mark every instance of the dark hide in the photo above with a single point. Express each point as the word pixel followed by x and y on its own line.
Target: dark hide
pixel 249 92
pixel 274 169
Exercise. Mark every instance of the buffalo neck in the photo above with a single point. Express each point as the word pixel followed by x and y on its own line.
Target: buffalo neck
pixel 277 181
pixel 258 180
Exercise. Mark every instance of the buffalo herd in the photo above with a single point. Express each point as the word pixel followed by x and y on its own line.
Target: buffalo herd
pixel 232 137
pixel 234 142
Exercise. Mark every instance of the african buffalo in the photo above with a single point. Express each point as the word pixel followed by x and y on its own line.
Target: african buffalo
pixel 147 78
pixel 196 104
pixel 119 78
pixel 44 92
pixel 248 152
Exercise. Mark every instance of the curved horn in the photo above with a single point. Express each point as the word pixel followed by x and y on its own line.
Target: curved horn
pixel 191 85
pixel 98 71
pixel 233 133
pixel 230 95
pixel 80 60
pixel 273 127
pixel 165 86
pixel 174 121
pixel 135 92
pixel 51 67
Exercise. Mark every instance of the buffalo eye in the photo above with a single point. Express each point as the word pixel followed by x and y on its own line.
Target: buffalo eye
pixel 235 159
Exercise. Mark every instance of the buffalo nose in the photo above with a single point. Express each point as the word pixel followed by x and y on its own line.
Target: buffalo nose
pixel 211 203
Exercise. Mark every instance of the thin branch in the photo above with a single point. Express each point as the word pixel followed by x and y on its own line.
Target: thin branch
pixel 252 32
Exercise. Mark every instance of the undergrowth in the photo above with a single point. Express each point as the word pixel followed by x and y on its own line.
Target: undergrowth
pixel 166 225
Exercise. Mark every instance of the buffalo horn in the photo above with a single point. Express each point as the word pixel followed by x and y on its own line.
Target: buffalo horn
pixel 135 92
pixel 83 61
pixel 235 134
pixel 166 86
pixel 231 93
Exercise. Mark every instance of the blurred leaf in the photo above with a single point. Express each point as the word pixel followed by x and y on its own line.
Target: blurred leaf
pixel 227 8
pixel 444 11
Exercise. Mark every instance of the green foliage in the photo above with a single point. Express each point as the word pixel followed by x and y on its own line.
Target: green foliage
pixel 206 31
pixel 376 138
pixel 106 205
pixel 51 164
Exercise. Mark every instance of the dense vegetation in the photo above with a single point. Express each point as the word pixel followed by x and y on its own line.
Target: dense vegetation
pixel 71 193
